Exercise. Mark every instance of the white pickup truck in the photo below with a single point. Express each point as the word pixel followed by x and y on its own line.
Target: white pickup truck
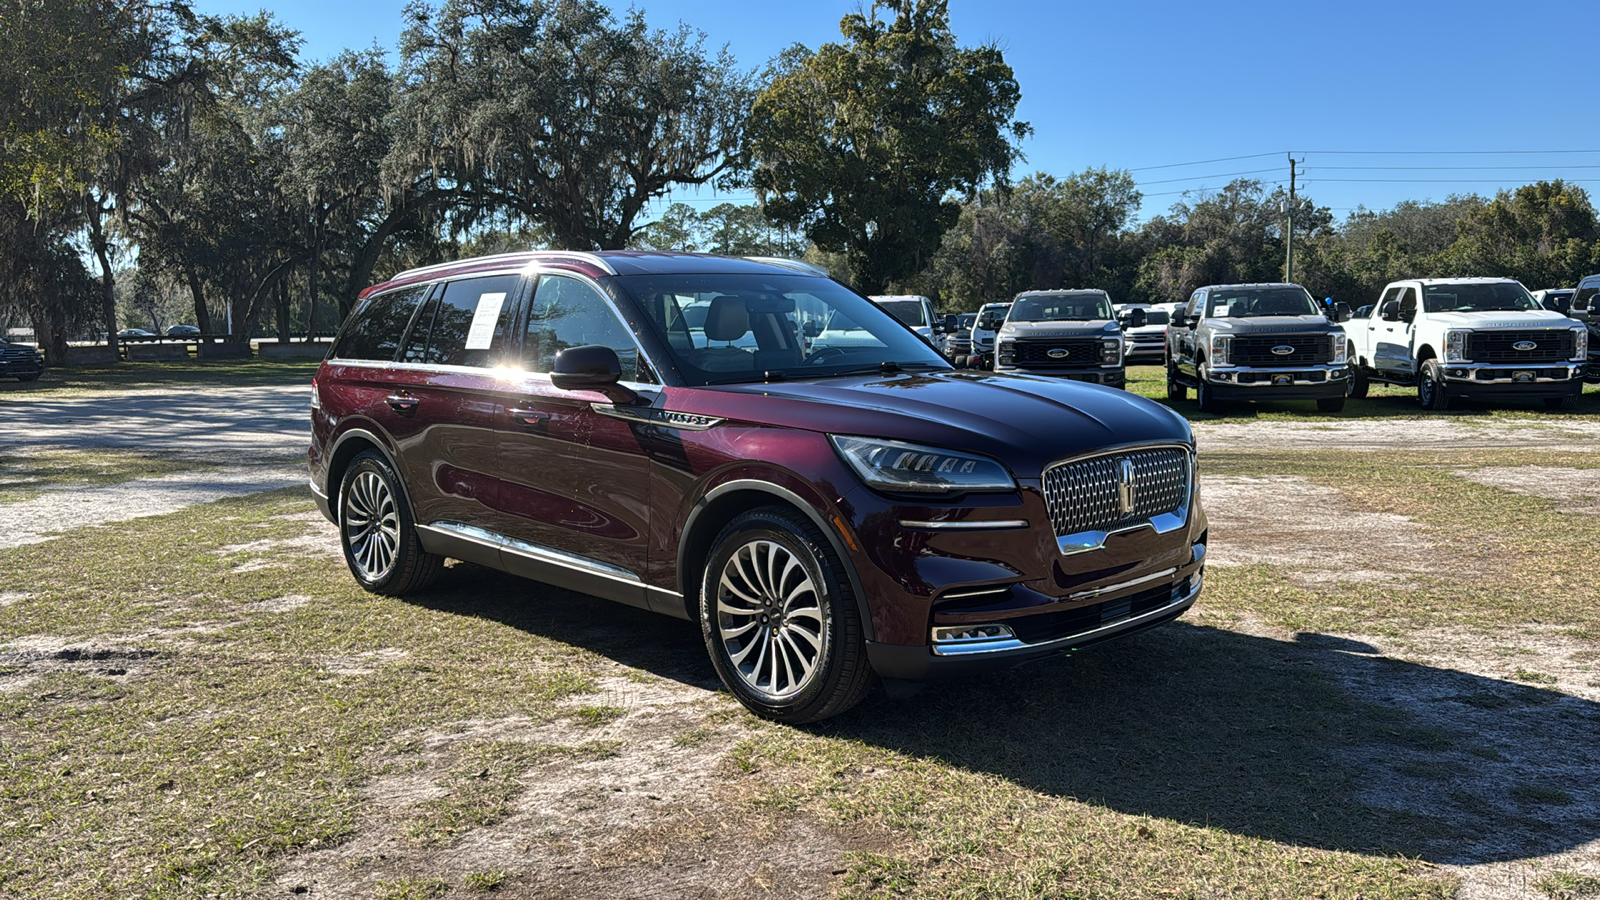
pixel 1474 338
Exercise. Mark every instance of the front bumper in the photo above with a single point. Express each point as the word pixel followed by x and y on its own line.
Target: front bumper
pixel 1314 382
pixel 20 368
pixel 1476 380
pixel 1111 377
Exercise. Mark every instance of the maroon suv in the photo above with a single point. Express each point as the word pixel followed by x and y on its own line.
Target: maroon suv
pixel 750 445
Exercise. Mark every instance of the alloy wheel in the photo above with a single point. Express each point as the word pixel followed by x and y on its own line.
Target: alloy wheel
pixel 770 619
pixel 372 525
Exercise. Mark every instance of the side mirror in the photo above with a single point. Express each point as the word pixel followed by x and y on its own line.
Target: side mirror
pixel 1341 312
pixel 1390 312
pixel 1138 319
pixel 1408 314
pixel 952 324
pixel 591 368
pixel 1561 305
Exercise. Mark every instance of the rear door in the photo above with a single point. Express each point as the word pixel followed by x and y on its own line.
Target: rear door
pixel 575 478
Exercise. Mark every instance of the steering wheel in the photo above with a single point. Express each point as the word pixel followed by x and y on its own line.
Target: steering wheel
pixel 826 353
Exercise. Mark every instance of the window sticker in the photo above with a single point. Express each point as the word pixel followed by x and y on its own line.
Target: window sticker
pixel 1220 312
pixel 481 334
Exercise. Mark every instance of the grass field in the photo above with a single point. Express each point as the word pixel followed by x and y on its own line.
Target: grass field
pixel 1389 689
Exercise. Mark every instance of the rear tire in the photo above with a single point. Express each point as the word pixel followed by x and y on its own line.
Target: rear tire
pixel 780 621
pixel 379 537
pixel 1430 387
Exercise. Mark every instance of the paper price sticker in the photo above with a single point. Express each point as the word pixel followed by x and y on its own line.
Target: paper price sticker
pixel 481 334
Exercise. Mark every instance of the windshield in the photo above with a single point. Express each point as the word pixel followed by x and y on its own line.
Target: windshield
pixel 1155 317
pixel 990 319
pixel 1242 303
pixel 760 327
pixel 1493 296
pixel 1060 308
pixel 965 320
pixel 907 311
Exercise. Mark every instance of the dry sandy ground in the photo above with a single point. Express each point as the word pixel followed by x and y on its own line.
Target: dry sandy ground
pixel 578 811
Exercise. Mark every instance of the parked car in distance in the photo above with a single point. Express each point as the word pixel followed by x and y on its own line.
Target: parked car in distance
pixel 828 514
pixel 136 333
pixel 1257 342
pixel 20 361
pixel 1475 338
pixel 1147 343
pixel 917 313
pixel 183 331
pixel 990 317
pixel 1585 309
pixel 1070 334
pixel 958 341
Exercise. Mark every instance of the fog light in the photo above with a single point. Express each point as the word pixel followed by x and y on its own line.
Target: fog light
pixel 947 634
pixel 1222 376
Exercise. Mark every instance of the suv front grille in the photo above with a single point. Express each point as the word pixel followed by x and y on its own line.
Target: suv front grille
pixel 1089 495
pixel 1550 345
pixel 1078 352
pixel 1256 350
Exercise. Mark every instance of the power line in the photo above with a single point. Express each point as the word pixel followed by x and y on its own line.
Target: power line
pixel 1218 175
pixel 1437 180
pixel 1440 152
pixel 1202 189
pixel 1201 162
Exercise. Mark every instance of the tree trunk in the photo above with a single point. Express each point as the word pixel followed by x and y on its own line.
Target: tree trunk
pixel 311 288
pixel 202 316
pixel 108 289
pixel 283 311
pixel 56 350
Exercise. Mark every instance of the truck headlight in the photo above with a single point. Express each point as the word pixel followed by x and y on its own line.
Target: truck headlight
pixel 1111 351
pixel 1341 348
pixel 1008 352
pixel 1221 347
pixel 1455 345
pixel 913 468
pixel 1580 345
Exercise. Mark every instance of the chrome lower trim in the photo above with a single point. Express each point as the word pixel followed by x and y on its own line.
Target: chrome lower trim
pixel 1574 370
pixel 1336 372
pixel 542 554
pixel 1095 592
pixel 963 525
pixel 980 592
pixel 1002 644
pixel 316 490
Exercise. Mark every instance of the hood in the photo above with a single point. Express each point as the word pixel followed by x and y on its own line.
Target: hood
pixel 1271 324
pixel 1023 421
pixel 1076 328
pixel 1538 318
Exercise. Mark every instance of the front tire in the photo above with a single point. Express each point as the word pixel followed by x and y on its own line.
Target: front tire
pixel 1430 387
pixel 780 621
pixel 1204 396
pixel 376 530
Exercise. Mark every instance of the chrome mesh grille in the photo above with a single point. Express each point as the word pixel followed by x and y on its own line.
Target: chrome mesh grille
pixel 1086 495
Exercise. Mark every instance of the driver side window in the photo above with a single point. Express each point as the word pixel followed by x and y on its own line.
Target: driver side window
pixel 566 312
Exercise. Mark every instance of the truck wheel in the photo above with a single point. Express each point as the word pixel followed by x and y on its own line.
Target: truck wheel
pixel 1430 387
pixel 1204 395
pixel 1355 387
pixel 1175 389
pixel 1330 404
pixel 1567 402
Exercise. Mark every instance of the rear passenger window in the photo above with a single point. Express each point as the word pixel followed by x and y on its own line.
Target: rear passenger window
pixel 468 325
pixel 375 328
pixel 566 312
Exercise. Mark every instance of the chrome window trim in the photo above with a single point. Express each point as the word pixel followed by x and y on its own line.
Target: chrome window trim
pixel 1164 523
pixel 963 525
pixel 970 647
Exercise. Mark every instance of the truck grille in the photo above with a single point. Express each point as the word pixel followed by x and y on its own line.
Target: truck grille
pixel 1036 354
pixel 1087 494
pixel 1550 345
pixel 1256 350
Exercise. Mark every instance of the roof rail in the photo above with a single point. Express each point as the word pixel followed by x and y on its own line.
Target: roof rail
pixel 522 256
pixel 796 265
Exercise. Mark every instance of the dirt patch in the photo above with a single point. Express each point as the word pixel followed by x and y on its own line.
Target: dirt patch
pixel 30 657
pixel 9 597
pixel 1574 490
pixel 626 799
pixel 1313 531
pixel 365 663
pixel 285 604
pixel 55 511
pixel 1442 432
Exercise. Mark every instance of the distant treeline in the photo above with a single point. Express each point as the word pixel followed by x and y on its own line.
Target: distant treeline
pixel 158 166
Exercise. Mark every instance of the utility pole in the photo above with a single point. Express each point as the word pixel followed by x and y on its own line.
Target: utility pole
pixel 1288 266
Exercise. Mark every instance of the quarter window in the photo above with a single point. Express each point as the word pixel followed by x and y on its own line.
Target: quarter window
pixel 566 312
pixel 375 328
pixel 468 325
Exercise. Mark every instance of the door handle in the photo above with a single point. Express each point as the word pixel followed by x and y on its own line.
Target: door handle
pixel 404 404
pixel 529 418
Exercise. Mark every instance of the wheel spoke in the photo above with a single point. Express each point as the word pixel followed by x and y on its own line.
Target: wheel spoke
pixel 807 663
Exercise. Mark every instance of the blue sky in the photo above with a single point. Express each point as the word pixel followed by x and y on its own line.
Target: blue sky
pixel 1384 101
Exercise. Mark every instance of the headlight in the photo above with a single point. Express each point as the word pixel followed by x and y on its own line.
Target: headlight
pixel 1008 352
pixel 912 468
pixel 1580 345
pixel 1341 348
pixel 1221 344
pixel 1111 351
pixel 1455 345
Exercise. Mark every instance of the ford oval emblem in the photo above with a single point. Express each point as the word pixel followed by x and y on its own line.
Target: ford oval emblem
pixel 1057 353
pixel 1283 349
pixel 1524 345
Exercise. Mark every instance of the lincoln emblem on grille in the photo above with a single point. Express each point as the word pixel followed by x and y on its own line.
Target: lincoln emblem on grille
pixel 1125 488
pixel 1283 349
pixel 1524 345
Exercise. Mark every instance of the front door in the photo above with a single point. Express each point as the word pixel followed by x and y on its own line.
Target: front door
pixel 575 483
pixel 1391 345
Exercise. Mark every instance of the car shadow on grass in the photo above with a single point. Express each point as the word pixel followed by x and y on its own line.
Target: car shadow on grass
pixel 1318 741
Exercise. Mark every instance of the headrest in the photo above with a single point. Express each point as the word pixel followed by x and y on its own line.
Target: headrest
pixel 728 319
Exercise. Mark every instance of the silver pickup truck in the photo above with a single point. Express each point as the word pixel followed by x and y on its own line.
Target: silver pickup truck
pixel 1066 334
pixel 1257 342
